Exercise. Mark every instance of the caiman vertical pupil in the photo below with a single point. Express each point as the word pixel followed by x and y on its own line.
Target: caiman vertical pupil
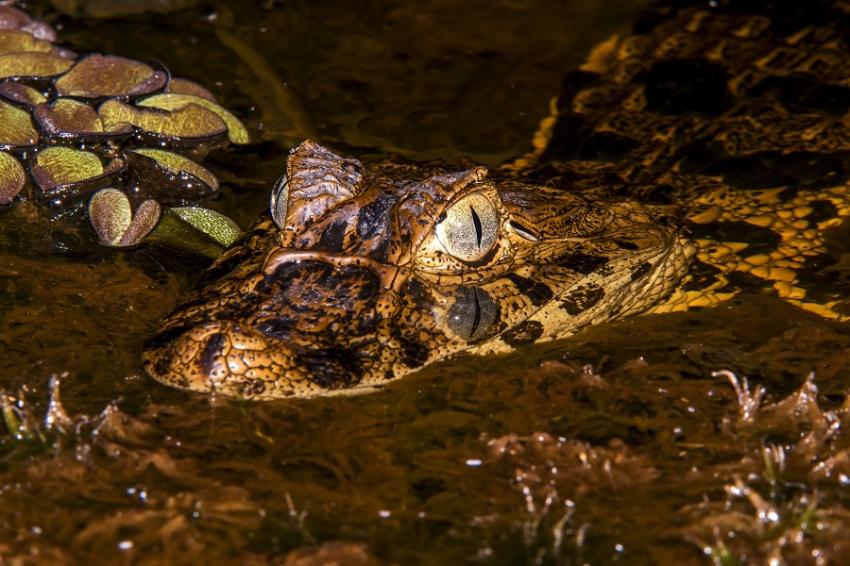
pixel 477 222
pixel 470 228
pixel 473 313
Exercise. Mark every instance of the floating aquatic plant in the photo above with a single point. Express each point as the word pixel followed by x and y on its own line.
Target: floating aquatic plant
pixel 75 125
pixel 116 223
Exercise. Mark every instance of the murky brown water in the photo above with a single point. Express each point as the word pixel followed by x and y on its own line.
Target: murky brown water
pixel 616 445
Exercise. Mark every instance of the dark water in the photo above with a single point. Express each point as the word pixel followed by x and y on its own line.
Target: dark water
pixel 618 445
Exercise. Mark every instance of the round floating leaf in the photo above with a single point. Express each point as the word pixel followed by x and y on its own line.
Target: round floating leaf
pixel 168 177
pixel 12 177
pixel 14 19
pixel 55 168
pixel 66 116
pixel 236 132
pixel 110 215
pixel 144 220
pixel 33 65
pixel 114 222
pixel 12 41
pixel 16 127
pixel 185 86
pixel 21 93
pixel 192 121
pixel 175 232
pixel 176 164
pixel 214 224
pixel 97 76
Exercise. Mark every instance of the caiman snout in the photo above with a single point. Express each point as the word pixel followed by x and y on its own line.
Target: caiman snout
pixel 218 357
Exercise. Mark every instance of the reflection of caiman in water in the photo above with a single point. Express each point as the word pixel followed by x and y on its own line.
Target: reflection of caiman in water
pixel 728 124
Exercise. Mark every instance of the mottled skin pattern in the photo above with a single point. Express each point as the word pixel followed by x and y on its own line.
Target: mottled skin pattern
pixel 357 289
pixel 737 114
pixel 730 125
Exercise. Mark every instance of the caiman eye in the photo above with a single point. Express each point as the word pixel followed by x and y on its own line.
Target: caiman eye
pixel 470 228
pixel 472 314
pixel 279 201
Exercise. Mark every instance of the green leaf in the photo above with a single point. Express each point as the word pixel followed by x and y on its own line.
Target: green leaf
pixel 236 132
pixel 110 215
pixel 67 116
pixel 176 164
pixel 214 224
pixel 12 41
pixel 144 220
pixel 192 121
pixel 196 238
pixel 98 75
pixel 56 168
pixel 114 222
pixel 184 86
pixel 16 129
pixel 21 93
pixel 33 65
pixel 12 177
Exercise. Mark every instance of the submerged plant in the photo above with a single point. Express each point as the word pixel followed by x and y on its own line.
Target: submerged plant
pixel 778 507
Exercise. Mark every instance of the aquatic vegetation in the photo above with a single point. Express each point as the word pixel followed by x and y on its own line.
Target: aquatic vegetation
pixel 147 520
pixel 780 507
pixel 77 130
pixel 552 474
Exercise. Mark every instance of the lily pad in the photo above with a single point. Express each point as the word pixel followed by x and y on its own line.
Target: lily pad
pixel 13 41
pixel 16 129
pixel 21 93
pixel 33 65
pixel 236 132
pixel 195 230
pixel 184 86
pixel 190 122
pixel 57 168
pixel 113 220
pixel 12 177
pixel 97 76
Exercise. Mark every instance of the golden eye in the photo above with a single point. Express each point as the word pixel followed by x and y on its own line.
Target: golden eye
pixel 279 201
pixel 470 228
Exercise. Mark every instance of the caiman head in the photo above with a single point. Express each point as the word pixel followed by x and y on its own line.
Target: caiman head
pixel 363 273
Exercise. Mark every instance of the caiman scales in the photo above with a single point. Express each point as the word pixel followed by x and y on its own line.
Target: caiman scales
pixel 705 154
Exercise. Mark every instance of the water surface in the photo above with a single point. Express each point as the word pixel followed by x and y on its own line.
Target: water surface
pixel 617 444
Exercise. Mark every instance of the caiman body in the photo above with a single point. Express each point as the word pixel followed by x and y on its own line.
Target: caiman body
pixel 703 155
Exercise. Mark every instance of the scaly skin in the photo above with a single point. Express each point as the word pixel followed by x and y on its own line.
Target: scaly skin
pixel 730 126
pixel 357 289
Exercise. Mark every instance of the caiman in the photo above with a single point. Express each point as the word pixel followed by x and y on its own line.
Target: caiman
pixel 704 154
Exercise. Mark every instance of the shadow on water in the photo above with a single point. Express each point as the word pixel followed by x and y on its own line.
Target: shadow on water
pixel 620 443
